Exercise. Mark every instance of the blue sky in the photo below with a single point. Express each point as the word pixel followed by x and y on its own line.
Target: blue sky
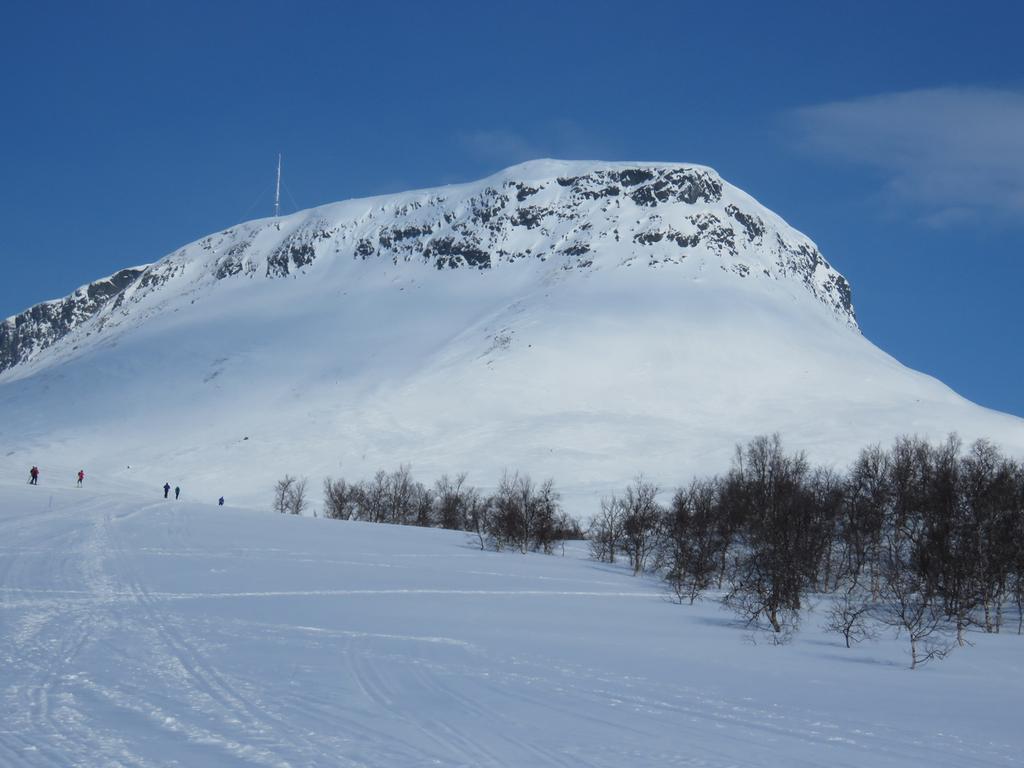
pixel 891 133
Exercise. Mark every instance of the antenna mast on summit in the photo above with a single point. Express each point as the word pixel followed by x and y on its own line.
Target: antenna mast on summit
pixel 277 190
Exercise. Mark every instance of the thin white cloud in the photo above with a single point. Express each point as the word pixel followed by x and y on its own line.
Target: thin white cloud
pixel 499 144
pixel 954 152
pixel 563 139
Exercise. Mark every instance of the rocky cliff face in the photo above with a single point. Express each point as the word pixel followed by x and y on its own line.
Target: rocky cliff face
pixel 25 335
pixel 566 215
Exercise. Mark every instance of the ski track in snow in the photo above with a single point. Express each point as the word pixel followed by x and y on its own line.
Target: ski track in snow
pixel 104 665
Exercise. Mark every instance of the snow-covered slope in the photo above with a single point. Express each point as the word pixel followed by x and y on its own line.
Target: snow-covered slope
pixel 138 632
pixel 586 321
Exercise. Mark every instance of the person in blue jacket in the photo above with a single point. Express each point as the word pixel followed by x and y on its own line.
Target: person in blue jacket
pixel 167 489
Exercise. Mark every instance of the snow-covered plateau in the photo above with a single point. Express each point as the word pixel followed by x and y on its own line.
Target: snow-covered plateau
pixel 577 320
pixel 141 632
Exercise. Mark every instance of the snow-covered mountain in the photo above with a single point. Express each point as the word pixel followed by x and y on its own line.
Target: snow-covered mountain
pixel 568 214
pixel 582 320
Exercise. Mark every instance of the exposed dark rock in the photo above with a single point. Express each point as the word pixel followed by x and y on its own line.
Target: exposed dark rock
pixel 227 268
pixel 657 235
pixel 364 248
pixel 528 217
pixel 449 252
pixel 489 204
pixel 154 277
pixel 298 249
pixel 576 249
pixel 231 263
pixel 649 238
pixel 525 191
pixel 713 232
pixel 291 252
pixel 40 326
pixel 681 185
pixel 838 286
pixel 752 224
pixel 632 177
pixel 410 232
pixel 594 194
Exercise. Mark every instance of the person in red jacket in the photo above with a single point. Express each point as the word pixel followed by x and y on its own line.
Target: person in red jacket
pixel 81 477
pixel 33 476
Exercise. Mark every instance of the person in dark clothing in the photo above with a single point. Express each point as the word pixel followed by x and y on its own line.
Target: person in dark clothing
pixel 167 489
pixel 177 492
pixel 81 477
pixel 220 501
pixel 33 476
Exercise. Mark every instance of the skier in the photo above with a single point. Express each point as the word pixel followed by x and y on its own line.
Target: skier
pixel 81 477
pixel 33 475
pixel 177 492
pixel 220 501
pixel 167 489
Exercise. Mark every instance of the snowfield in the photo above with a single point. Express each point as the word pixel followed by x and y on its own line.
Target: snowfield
pixel 141 632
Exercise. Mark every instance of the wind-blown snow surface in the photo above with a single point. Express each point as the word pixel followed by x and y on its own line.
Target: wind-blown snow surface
pixel 600 320
pixel 142 632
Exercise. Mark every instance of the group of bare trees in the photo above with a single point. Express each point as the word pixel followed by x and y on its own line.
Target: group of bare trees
pixel 631 524
pixel 390 497
pixel 525 516
pixel 925 539
pixel 520 514
pixel 290 496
